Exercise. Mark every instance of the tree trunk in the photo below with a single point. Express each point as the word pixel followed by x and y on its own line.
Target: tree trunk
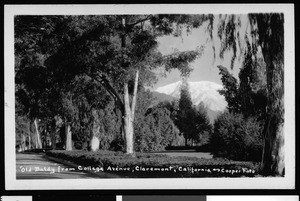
pixel 94 144
pixel 280 165
pixel 273 153
pixel 129 115
pixel 53 139
pixel 273 156
pixel 23 142
pixel 68 136
pixel 29 143
pixel 128 122
pixel 29 137
pixel 44 141
pixel 127 111
pixel 38 136
pixel 53 143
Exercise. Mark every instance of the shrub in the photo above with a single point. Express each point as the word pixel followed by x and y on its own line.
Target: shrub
pixel 156 130
pixel 218 166
pixel 237 138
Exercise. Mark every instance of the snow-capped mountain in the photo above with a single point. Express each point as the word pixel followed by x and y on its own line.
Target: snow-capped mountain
pixel 203 91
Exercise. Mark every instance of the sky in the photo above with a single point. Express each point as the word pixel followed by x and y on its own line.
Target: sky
pixel 204 68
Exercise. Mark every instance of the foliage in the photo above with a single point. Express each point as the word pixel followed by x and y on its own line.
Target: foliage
pixel 111 128
pixel 33 37
pixel 108 50
pixel 230 91
pixel 36 90
pixel 154 128
pixel 266 37
pixel 237 138
pixel 185 112
pixel 88 103
pixel 202 125
pixel 246 103
pixel 102 123
pixel 192 121
pixel 252 88
pixel 249 95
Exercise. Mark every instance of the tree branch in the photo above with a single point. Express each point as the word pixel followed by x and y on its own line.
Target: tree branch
pixel 139 21
pixel 105 83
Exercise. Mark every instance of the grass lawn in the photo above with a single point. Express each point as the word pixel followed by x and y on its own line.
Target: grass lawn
pixel 187 154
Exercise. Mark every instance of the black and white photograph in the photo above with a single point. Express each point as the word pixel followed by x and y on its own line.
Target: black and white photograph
pixel 192 96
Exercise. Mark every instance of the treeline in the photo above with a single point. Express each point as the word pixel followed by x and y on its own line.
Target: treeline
pixel 156 126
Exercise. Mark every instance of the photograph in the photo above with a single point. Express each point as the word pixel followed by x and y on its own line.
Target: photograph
pixel 156 96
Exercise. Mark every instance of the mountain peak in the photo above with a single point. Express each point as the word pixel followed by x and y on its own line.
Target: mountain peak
pixel 202 91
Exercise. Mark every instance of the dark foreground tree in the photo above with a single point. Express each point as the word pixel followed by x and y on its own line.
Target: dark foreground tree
pixel 36 39
pixel 267 36
pixel 248 96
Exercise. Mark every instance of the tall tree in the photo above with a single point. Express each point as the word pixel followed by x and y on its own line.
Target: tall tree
pixel 266 34
pixel 248 95
pixel 119 52
pixel 230 91
pixel 36 38
pixel 185 112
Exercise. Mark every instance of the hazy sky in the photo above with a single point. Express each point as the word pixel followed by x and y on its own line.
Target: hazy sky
pixel 205 68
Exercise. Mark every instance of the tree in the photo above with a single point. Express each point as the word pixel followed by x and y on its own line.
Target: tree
pixel 267 35
pixel 185 114
pixel 248 96
pixel 155 129
pixel 34 35
pixel 38 38
pixel 230 91
pixel 23 137
pixel 191 120
pixel 119 52
pixel 202 125
pixel 91 102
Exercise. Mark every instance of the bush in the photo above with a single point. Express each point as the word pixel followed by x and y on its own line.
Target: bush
pixel 156 130
pixel 237 138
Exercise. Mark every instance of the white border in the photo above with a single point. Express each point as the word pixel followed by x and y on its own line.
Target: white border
pixel 253 197
pixel 15 198
pixel 286 182
pixel 119 198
